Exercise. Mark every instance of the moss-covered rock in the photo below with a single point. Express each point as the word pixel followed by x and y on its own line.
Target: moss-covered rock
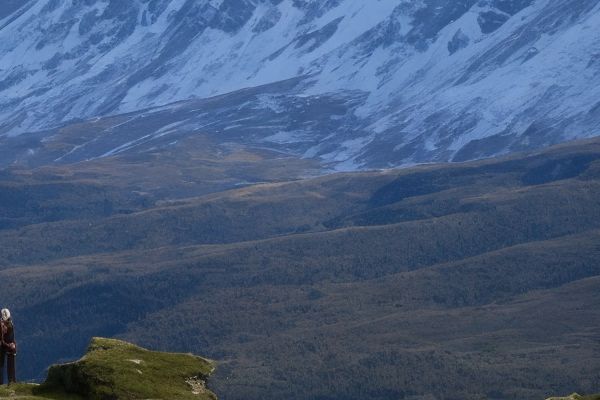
pixel 115 370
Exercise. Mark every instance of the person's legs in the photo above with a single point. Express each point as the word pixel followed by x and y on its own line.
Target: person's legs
pixel 12 378
pixel 1 367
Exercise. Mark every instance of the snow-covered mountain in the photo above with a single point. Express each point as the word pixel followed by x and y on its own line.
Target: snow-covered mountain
pixel 360 83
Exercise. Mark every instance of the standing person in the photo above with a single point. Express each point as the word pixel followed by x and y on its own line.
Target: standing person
pixel 8 346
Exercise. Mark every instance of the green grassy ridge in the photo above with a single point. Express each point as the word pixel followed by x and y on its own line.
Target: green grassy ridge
pixel 117 370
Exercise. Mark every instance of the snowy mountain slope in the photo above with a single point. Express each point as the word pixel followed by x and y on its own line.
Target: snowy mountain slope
pixel 427 80
pixel 277 117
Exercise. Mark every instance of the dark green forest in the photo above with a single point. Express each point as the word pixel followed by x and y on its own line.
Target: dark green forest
pixel 463 281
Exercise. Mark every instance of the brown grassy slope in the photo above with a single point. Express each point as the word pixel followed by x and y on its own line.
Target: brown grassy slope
pixel 531 196
pixel 123 184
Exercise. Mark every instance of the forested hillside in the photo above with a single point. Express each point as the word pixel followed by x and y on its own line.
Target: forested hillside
pixel 454 281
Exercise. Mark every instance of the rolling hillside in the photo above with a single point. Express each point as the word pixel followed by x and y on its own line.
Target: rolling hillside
pixel 466 280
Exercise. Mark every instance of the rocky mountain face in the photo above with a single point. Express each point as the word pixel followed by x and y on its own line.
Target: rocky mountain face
pixel 374 83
